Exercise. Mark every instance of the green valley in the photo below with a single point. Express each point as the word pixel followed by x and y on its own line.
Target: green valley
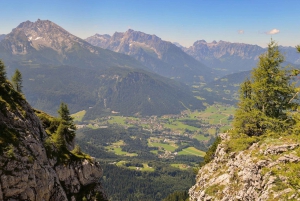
pixel 151 147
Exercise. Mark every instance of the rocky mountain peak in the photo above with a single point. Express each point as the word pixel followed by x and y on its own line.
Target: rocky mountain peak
pixel 199 42
pixel 99 40
pixel 130 31
pixel 44 34
pixel 129 42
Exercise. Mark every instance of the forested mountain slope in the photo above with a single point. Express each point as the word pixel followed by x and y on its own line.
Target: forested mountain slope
pixel 121 90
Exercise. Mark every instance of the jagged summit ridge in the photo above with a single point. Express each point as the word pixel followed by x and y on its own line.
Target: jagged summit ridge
pixel 233 57
pixel 44 42
pixel 124 42
pixel 218 49
pixel 162 57
pixel 44 33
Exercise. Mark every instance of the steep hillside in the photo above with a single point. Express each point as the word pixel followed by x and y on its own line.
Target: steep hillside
pixel 142 93
pixel 116 89
pixel 233 57
pixel 266 170
pixel 33 167
pixel 157 55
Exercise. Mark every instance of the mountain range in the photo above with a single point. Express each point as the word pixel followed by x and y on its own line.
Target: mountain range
pixel 157 55
pixel 44 42
pixel 58 66
pixel 233 57
pixel 125 68
pixel 224 57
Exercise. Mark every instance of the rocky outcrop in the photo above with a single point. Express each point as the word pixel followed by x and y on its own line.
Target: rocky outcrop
pixel 262 172
pixel 27 173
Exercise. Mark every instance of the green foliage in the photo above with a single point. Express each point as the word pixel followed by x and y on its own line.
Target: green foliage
pixel 59 138
pixel 57 129
pixel 77 150
pixel 178 196
pixel 17 81
pixel 9 98
pixel 211 151
pixel 10 151
pixel 99 197
pixel 215 190
pixel 240 142
pixel 67 121
pixel 9 138
pixel 265 99
pixel 31 159
pixel 2 72
pixel 131 185
pixel 298 48
pixel 64 113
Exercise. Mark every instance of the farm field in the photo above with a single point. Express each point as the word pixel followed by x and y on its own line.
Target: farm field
pixel 78 116
pixel 188 134
pixel 145 167
pixel 214 119
pixel 181 166
pixel 116 148
pixel 192 151
pixel 166 147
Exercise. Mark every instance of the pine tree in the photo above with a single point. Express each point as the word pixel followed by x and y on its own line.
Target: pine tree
pixel 2 72
pixel 58 137
pixel 17 81
pixel 266 99
pixel 67 120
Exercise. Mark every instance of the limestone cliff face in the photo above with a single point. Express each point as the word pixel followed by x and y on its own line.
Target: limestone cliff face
pixel 267 170
pixel 26 173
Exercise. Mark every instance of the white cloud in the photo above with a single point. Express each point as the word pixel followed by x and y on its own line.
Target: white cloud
pixel 272 32
pixel 241 31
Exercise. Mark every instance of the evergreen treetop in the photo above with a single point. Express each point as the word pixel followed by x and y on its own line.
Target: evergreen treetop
pixel 2 71
pixel 266 98
pixel 67 120
pixel 17 81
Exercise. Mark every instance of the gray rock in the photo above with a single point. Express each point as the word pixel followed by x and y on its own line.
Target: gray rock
pixel 30 175
pixel 239 175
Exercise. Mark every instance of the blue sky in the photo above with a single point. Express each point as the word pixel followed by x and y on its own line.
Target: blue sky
pixel 184 21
